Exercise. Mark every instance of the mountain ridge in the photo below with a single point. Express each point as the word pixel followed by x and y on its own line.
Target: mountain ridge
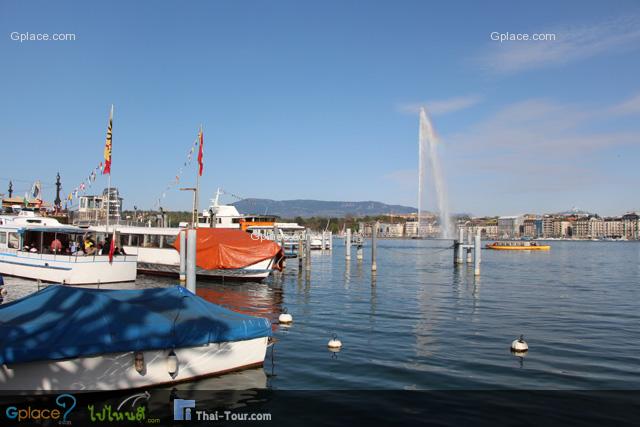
pixel 310 207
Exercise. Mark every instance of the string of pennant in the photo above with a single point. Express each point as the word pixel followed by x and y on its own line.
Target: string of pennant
pixel 85 184
pixel 176 180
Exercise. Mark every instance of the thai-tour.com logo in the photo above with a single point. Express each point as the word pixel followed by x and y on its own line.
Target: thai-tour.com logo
pixel 65 403
pixel 182 409
pixel 185 410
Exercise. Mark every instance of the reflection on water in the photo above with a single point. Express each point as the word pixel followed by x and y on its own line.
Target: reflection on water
pixel 420 323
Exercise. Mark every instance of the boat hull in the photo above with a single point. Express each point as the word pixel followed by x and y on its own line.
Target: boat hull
pixel 166 262
pixel 519 248
pixel 67 269
pixel 116 371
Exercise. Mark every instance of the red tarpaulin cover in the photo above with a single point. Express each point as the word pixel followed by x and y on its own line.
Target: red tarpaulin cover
pixel 225 248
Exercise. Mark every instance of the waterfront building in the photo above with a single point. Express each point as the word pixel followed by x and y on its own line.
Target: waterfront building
pixel 509 227
pixel 631 226
pixel 390 230
pixel 547 226
pixel 588 228
pixel 532 227
pixel 562 228
pixel 411 228
pixel 613 227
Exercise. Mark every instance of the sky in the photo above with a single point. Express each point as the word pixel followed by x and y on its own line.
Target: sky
pixel 320 100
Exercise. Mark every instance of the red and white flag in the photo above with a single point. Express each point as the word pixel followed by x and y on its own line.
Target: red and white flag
pixel 201 153
pixel 112 247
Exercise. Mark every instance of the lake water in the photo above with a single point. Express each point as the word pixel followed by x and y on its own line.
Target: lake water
pixel 420 323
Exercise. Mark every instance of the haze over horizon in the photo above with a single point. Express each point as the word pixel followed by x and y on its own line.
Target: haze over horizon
pixel 319 101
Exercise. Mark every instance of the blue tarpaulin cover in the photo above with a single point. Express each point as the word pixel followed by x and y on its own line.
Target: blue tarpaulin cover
pixel 62 322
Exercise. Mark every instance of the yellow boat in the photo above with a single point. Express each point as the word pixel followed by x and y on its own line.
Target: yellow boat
pixel 517 246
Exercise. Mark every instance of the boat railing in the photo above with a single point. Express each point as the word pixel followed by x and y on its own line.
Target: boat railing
pixel 75 258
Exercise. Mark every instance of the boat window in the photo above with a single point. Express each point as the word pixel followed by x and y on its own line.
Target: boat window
pixel 168 241
pixel 135 240
pixel 151 241
pixel 3 238
pixel 14 240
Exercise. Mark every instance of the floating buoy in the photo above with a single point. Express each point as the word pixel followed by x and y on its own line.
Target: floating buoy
pixel 519 345
pixel 334 343
pixel 285 317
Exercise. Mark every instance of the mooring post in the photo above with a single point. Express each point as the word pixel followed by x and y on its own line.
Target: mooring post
pixel 191 260
pixel 374 238
pixel 347 248
pixel 469 242
pixel 330 240
pixel 300 252
pixel 460 243
pixel 359 253
pixel 323 241
pixel 477 249
pixel 183 256
pixel 308 250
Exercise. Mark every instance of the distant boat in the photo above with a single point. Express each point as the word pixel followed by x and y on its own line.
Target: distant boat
pixel 517 246
pixel 71 338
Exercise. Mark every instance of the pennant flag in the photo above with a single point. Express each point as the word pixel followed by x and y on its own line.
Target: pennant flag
pixel 25 200
pixel 36 190
pixel 112 247
pixel 201 152
pixel 107 145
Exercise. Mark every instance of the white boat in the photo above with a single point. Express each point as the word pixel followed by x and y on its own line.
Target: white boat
pixel 156 254
pixel 26 251
pixel 123 339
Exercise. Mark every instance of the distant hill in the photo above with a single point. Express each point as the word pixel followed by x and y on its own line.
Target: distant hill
pixel 309 208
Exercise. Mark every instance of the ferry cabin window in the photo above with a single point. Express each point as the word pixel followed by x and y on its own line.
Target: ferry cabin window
pixel 168 241
pixel 14 240
pixel 3 238
pixel 151 241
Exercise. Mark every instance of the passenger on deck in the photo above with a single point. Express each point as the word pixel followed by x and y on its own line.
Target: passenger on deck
pixel 56 246
pixel 89 246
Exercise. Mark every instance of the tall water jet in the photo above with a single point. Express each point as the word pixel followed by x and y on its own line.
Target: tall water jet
pixel 427 135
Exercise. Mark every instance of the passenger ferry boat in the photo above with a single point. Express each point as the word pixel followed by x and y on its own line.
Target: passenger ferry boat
pixel 517 246
pixel 39 248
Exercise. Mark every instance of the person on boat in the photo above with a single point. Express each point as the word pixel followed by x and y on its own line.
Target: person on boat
pixel 107 245
pixel 56 246
pixel 25 248
pixel 33 249
pixel 3 291
pixel 89 246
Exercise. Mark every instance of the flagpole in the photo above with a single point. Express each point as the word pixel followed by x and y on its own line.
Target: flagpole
pixel 109 179
pixel 197 195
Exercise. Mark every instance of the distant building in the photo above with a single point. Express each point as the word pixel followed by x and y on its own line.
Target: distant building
pixel 588 228
pixel 631 225
pixel 93 208
pixel 390 230
pixel 562 228
pixel 547 226
pixel 411 228
pixel 509 227
pixel 613 227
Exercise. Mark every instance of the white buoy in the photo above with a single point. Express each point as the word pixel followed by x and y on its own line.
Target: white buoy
pixel 519 345
pixel 334 343
pixel 285 317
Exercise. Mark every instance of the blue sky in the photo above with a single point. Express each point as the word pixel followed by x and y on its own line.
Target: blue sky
pixel 318 99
